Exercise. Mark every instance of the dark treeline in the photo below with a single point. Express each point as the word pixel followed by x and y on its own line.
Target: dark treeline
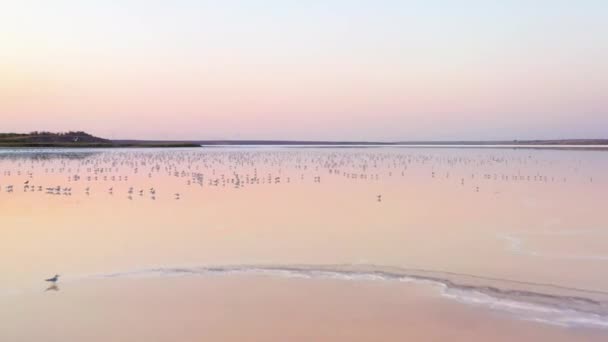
pixel 45 133
pixel 74 139
pixel 49 138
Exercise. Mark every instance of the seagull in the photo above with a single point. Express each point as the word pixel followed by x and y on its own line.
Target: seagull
pixel 54 279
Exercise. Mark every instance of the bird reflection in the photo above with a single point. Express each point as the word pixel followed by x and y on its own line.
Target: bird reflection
pixel 53 287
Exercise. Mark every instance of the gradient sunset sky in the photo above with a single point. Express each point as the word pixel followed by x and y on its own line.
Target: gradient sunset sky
pixel 286 69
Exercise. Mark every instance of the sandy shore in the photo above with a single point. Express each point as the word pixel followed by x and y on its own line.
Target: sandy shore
pixel 258 308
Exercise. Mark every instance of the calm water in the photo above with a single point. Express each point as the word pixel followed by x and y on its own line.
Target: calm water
pixel 522 231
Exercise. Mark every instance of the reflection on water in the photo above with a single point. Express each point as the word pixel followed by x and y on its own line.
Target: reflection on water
pixel 45 154
pixel 53 287
pixel 530 216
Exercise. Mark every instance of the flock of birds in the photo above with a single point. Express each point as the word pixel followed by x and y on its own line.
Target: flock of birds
pixel 116 172
pixel 150 174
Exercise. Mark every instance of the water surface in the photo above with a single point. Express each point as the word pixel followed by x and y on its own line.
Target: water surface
pixel 517 231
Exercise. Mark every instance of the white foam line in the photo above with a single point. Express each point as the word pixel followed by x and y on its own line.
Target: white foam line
pixel 520 309
pixel 530 312
pixel 562 313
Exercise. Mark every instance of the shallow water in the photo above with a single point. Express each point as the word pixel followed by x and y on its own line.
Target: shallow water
pixel 520 231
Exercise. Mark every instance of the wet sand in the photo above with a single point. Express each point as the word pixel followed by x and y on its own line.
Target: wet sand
pixel 258 308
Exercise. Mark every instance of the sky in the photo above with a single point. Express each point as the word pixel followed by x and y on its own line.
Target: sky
pixel 314 70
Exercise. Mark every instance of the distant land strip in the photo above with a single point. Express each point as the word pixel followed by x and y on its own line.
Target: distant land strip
pixel 86 140
pixel 77 139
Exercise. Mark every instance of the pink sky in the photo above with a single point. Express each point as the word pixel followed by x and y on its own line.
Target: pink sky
pixel 345 70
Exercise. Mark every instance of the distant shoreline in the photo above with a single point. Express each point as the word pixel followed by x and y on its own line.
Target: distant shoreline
pixel 567 142
pixel 78 139
pixel 85 140
pixel 314 145
pixel 85 145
